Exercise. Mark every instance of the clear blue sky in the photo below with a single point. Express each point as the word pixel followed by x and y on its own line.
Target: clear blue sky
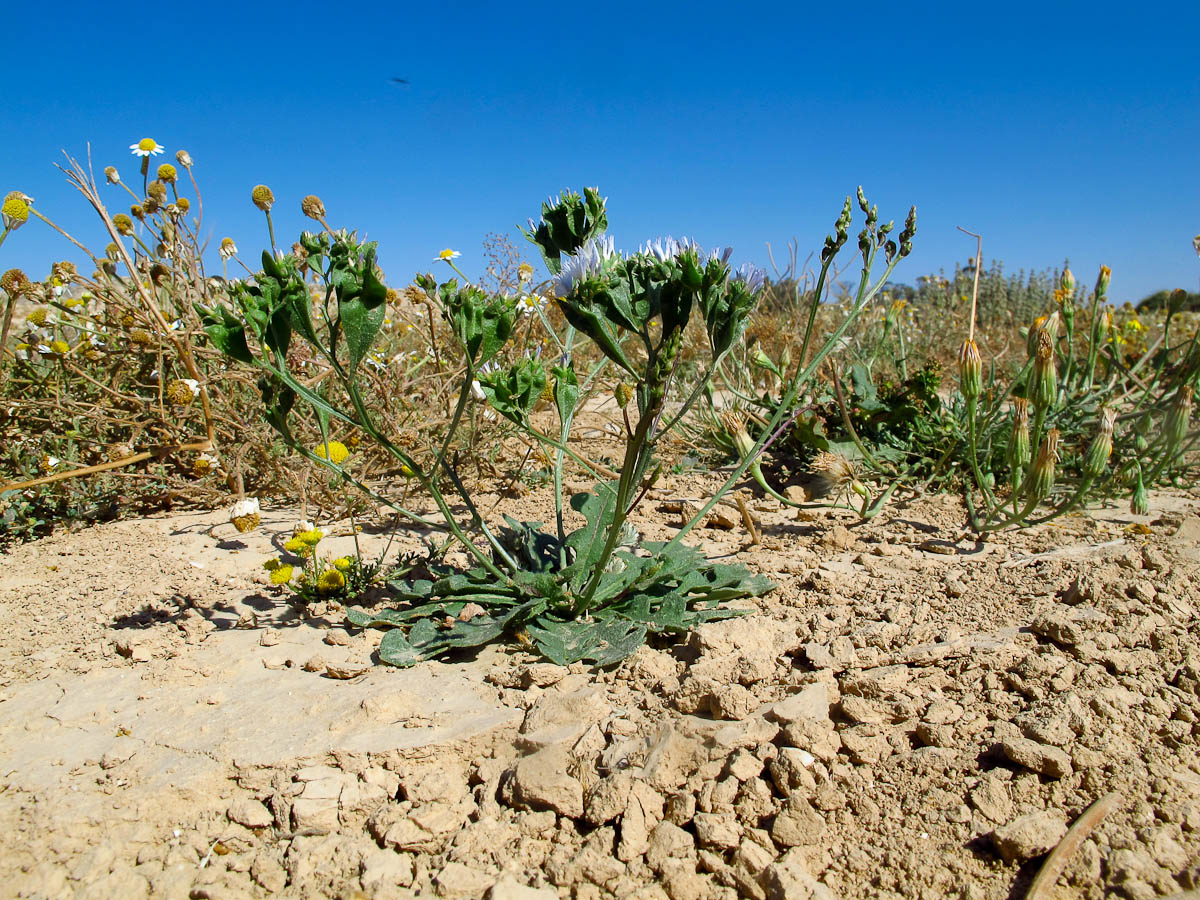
pixel 1057 130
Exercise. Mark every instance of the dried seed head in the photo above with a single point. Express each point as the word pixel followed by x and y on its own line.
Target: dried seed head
pixel 119 451
pixel 735 426
pixel 141 337
pixel 15 283
pixel 182 391
pixel 111 175
pixel 157 191
pixel 262 197
pixel 832 473
pixel 183 158
pixel 123 224
pixel 312 207
pixel 138 212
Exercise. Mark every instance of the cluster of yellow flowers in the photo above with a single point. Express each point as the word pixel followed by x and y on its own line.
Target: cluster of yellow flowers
pixel 303 543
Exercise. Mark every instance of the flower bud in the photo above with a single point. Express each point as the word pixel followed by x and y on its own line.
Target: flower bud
pixel 1048 324
pixel 1139 502
pixel 1019 454
pixel 970 370
pixel 262 197
pixel 1102 282
pixel 1175 422
pixel 1096 458
pixel 1066 282
pixel 1043 383
pixel 1041 478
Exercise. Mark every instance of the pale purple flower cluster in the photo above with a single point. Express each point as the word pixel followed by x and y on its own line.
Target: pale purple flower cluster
pixel 753 277
pixel 586 261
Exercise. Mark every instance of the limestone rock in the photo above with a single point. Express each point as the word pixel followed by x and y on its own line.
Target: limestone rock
pixel 1029 835
pixel 540 781
pixel 249 812
pixel 1041 758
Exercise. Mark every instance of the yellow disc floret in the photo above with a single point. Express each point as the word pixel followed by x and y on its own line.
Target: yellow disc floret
pixel 262 197
pixel 331 580
pixel 334 451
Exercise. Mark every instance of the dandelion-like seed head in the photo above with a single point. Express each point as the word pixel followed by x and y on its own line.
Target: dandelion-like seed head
pixel 111 175
pixel 183 158
pixel 832 473
pixel 15 210
pixel 146 147
pixel 245 515
pixel 334 451
pixel 167 173
pixel 312 207
pixel 262 197
pixel 228 248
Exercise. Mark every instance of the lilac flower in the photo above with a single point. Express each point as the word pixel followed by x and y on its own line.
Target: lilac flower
pixel 585 262
pixel 752 276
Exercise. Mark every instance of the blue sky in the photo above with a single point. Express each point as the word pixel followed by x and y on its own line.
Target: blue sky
pixel 1056 130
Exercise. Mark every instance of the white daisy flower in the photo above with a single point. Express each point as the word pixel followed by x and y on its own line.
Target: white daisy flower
pixel 447 255
pixel 147 147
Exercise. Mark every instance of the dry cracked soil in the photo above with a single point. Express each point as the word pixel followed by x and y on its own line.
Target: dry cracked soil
pixel 911 713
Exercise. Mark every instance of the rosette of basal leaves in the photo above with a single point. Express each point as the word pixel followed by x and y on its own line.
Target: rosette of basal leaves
pixel 567 223
pixel 662 589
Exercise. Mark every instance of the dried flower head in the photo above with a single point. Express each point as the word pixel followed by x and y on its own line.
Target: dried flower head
pixel 312 207
pixel 204 464
pixel 832 473
pixel 120 451
pixel 138 212
pixel 262 197
pixel 157 191
pixel 15 283
pixel 525 272
pixel 183 391
pixel 183 158
pixel 111 175
pixel 146 147
pixel 123 224
pixel 184 204
pixel 245 514
pixel 141 337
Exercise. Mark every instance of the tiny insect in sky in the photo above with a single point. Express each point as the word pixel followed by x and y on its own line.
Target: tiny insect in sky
pixel 399 80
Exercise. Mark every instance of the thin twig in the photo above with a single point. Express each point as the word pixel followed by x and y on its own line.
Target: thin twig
pixel 199 446
pixel 978 266
pixel 1061 855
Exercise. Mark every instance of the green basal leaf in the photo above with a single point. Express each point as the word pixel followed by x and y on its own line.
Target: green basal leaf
pixel 587 542
pixel 601 643
pixel 396 650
